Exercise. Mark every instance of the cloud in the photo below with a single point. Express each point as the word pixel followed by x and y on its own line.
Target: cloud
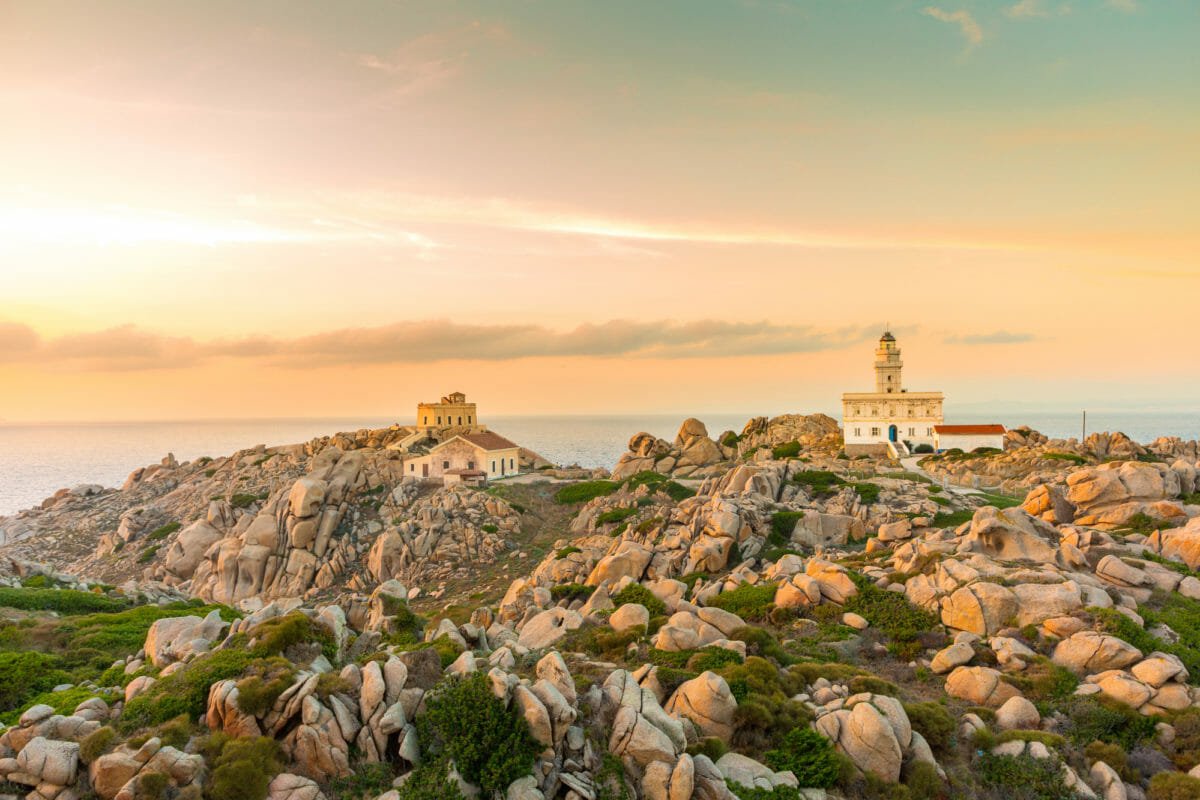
pixel 996 337
pixel 1035 8
pixel 966 23
pixel 129 348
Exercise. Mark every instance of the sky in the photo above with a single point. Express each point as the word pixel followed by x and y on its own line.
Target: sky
pixel 258 209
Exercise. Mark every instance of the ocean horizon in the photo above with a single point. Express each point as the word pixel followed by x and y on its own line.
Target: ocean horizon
pixel 39 458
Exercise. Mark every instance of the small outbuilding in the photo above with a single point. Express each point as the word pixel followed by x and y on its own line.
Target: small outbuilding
pixel 467 458
pixel 967 437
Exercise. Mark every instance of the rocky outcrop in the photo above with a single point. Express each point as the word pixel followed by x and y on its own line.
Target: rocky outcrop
pixel 692 454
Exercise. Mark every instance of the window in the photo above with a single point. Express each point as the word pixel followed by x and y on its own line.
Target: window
pixel 460 420
pixel 412 467
pixel 470 465
pixel 425 420
pixel 874 431
pixel 445 465
pixel 493 466
pixel 468 419
pixel 858 431
pixel 512 462
pixel 929 431
pixel 439 420
pixel 912 431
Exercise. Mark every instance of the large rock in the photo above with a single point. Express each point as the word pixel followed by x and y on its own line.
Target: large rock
pixel 306 497
pixel 867 737
pixel 1090 652
pixel 981 686
pixel 1017 713
pixel 708 702
pixel 630 615
pixel 1010 534
pixel 548 627
pixel 175 638
pixel 981 608
pixel 49 761
pixel 634 736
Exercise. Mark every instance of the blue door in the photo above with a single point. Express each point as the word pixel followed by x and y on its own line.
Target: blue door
pixel 892 433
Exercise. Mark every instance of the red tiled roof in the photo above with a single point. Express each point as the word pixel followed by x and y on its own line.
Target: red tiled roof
pixel 484 441
pixel 968 430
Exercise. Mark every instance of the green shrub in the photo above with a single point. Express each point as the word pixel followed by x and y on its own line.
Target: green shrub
pixel 63 702
pixel 242 500
pixel 1101 718
pixel 729 439
pixel 585 491
pixel 63 601
pixel 184 691
pixel 571 591
pixel 97 743
pixel 243 768
pixel 263 682
pixel 615 515
pixel 712 746
pixel 1074 459
pixel 712 658
pixel 489 743
pixel 922 780
pixel 677 491
pixel 821 483
pixel 782 525
pixel 1182 615
pixel 758 793
pixel 1173 786
pixel 429 781
pixel 786 450
pixel 164 531
pixel 369 780
pixel 488 527
pixel 748 601
pixel 276 635
pixel 567 551
pixel 760 642
pixel 935 723
pixel 893 614
pixel 868 493
pixel 809 756
pixel 1024 777
pixel 148 554
pixel 765 711
pixel 1186 747
pixel 636 593
pixel 1113 755
pixel 24 675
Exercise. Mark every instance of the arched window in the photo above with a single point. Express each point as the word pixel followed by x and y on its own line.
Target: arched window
pixel 460 420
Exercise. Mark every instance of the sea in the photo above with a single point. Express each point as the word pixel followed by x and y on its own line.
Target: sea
pixel 38 459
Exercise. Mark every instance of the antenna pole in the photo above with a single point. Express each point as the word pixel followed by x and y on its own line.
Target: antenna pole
pixel 1084 425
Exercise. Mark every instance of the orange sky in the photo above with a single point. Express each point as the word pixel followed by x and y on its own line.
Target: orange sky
pixel 223 209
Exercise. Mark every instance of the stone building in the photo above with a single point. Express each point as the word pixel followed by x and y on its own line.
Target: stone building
pixel 452 412
pixel 891 419
pixel 467 458
pixel 967 437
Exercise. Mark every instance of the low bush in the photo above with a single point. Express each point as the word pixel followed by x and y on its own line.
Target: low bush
pixel 1023 777
pixel 786 450
pixel 163 531
pixel 62 601
pixel 567 551
pixel 571 591
pixel 277 635
pixel 602 641
pixel 782 525
pixel 765 710
pixel 821 483
pixel 748 601
pixel 935 723
pixel 1185 752
pixel 369 779
pixel 97 743
pixel 759 793
pixel 489 743
pixel 1101 718
pixel 1071 457
pixel 430 780
pixel 242 767
pixel 1173 786
pixel 25 675
pixel 952 519
pixel 893 614
pixel 809 755
pixel 184 691
pixel 262 683
pixel 868 493
pixel 1113 755
pixel 615 515
pixel 636 593
pixel 584 491
pixel 712 746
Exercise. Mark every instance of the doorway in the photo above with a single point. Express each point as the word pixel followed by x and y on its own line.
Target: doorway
pixel 892 433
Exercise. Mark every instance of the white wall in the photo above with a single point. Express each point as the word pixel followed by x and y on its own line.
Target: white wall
pixel 968 443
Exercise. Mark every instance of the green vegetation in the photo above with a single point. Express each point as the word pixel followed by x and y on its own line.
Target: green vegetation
pixel 585 491
pixel 809 755
pixel 765 712
pixel 1101 718
pixel 821 483
pixel 242 500
pixel 23 675
pixel 729 439
pixel 566 551
pixel 262 684
pixel 1024 777
pixel 184 691
pixel 892 613
pixel 615 515
pixel 371 780
pixel 148 554
pixel 935 723
pixel 1144 524
pixel 782 525
pixel 1173 786
pixel 489 743
pixel 488 527
pixel 656 482
pixel 97 743
pixel 429 781
pixel 952 519
pixel 242 767
pixel 1001 500
pixel 1176 609
pixel 636 593
pixel 748 601
pixel 62 601
pixel 786 450
pixel 759 793
pixel 571 591
pixel 1074 459
pixel 163 531
pixel 867 492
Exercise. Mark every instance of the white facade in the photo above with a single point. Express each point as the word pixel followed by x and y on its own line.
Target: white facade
pixel 891 413
pixel 486 453
pixel 945 437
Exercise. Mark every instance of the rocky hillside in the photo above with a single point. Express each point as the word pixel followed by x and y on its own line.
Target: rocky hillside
pixel 768 620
